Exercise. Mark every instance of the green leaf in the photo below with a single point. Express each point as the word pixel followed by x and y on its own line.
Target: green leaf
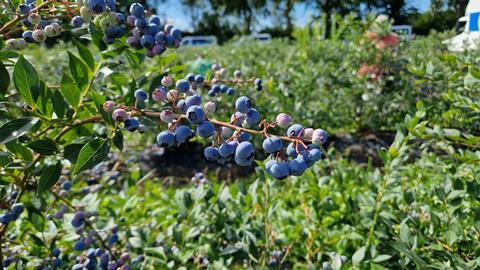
pixel 37 220
pixel 86 55
pixel 381 258
pixel 451 237
pixel 4 79
pixel 60 106
pixel 91 154
pixel 99 100
pixel 229 250
pixel 49 177
pixel 404 232
pixel 16 128
pixel 359 255
pixel 79 71
pixel 44 147
pixel 71 151
pixel 19 150
pixel 26 80
pixel 70 91
pixel 474 71
pixel 97 36
pixel 118 139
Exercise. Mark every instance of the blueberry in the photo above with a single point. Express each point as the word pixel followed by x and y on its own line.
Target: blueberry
pixel 182 85
pixel 158 49
pixel 166 138
pixel 17 208
pixel 141 23
pixel 227 150
pixel 181 105
pixel 199 79
pixel 223 89
pixel 169 41
pixel 176 33
pixel 147 41
pixel 272 144
pixel 193 100
pixel 137 10
pixel 113 239
pixel 183 134
pixel 243 104
pixel 211 153
pixel 97 6
pixel 252 118
pixel 67 185
pixel 119 18
pixel 160 38
pixel 152 29
pixel 269 164
pixel 56 252
pixel 243 137
pixel 77 222
pixel 295 130
pixel 154 19
pixel 57 262
pixel 168 28
pixel 131 124
pixel 297 166
pixel 205 129
pixel 280 170
pixel 6 218
pixel 108 40
pixel 195 114
pixel 110 4
pixel 190 77
pixel 231 91
pixel 140 94
pixel 23 9
pixel 245 150
pixel 244 161
pixel 77 266
pixel 79 245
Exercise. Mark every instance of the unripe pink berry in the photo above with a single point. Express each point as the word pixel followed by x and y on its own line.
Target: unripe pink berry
pixel 167 116
pixel 109 106
pixel 173 95
pixel 221 73
pixel 119 115
pixel 209 107
pixel 214 81
pixel 319 136
pixel 167 81
pixel 284 120
pixel 215 67
pixel 308 133
pixel 237 74
pixel 159 94
pixel 237 117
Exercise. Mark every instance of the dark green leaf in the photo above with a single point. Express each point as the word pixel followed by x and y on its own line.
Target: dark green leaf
pixel 19 150
pixel 59 105
pixel 4 79
pixel 16 128
pixel 26 80
pixel 79 71
pixel 70 91
pixel 118 139
pixel 91 154
pixel 229 250
pixel 49 177
pixel 86 55
pixel 37 220
pixel 45 147
pixel 72 151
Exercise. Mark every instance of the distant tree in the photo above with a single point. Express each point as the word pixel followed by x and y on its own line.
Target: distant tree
pixel 195 9
pixel 458 6
pixel 244 9
pixel 286 8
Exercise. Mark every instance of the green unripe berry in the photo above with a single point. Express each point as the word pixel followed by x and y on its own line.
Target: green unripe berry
pixel 34 18
pixel 11 44
pixel 50 31
pixel 105 23
pixel 85 14
pixel 21 44
pixel 96 20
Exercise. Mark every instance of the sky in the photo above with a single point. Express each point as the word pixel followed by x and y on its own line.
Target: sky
pixel 177 15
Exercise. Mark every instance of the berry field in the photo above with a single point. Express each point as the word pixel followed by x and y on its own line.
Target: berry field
pixel 121 149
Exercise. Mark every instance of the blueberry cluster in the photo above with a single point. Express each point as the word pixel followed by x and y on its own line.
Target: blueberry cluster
pixel 334 257
pixel 38 29
pixel 12 214
pixel 144 32
pixel 275 258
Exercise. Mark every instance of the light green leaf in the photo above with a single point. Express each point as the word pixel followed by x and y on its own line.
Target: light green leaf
pixel 26 80
pixel 91 154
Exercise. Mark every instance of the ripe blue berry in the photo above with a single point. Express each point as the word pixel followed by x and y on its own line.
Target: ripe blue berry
pixel 137 10
pixel 244 154
pixel 297 166
pixel 227 150
pixel 280 170
pixel 28 36
pixel 272 144
pixel 160 38
pixel 140 94
pixel 17 208
pixel 193 100
pixel 231 91
pixel 243 137
pixel 96 6
pixel 23 9
pixel 183 134
pixel 56 252
pixel 199 79
pixel 6 218
pixel 67 185
pixel 110 4
pixel 147 41
pixel 182 85
pixel 166 138
pixel 211 153
pixel 79 246
pixel 131 124
pixel 243 104
pixel 253 117
pixel 141 23
pixel 223 89
pixel 205 129
pixel 195 114
pixel 154 19
pixel 176 33
pixel 295 130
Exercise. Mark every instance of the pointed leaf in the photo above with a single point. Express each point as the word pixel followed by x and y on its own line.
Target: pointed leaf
pixel 45 147
pixel 16 128
pixel 91 154
pixel 4 79
pixel 26 80
pixel 70 91
pixel 49 177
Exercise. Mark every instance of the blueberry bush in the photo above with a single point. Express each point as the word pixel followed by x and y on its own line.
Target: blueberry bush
pixel 78 117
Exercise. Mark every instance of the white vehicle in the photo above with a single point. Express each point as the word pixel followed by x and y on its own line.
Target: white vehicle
pixel 403 31
pixel 199 41
pixel 469 39
pixel 260 37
